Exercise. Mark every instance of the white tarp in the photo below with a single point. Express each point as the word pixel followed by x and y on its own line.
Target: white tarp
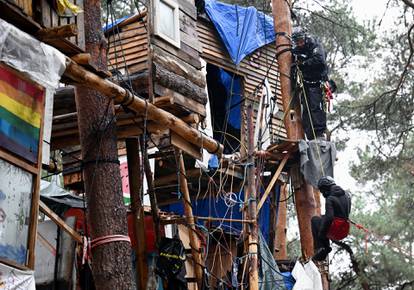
pixel 264 116
pixel 14 279
pixel 40 62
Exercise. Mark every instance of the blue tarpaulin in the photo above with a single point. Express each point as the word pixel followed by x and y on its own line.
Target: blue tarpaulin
pixel 216 207
pixel 242 29
pixel 116 22
pixel 233 88
pixel 289 280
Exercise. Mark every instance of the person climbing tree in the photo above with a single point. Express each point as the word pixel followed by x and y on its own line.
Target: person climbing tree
pixel 310 57
pixel 334 225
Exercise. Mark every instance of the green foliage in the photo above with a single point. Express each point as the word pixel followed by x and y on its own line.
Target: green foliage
pixel 380 107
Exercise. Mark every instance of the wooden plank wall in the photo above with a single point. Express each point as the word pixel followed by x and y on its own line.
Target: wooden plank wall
pixel 252 68
pixel 50 18
pixel 177 71
pixel 25 5
pixel 128 47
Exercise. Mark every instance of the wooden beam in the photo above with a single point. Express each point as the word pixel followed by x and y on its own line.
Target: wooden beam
pixel 46 244
pixel 273 181
pixel 151 192
pixel 190 149
pixel 280 238
pixel 59 222
pixel 58 32
pixel 135 188
pixel 88 79
pixel 250 199
pixel 195 247
pixel 82 58
pixel 212 219
pixel 192 118
pixel 172 178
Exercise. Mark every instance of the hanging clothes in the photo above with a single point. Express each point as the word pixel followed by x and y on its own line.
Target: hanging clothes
pixel 303 282
pixel 307 277
pixel 317 159
pixel 313 273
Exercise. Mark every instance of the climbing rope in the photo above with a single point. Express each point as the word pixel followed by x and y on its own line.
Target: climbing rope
pixel 300 78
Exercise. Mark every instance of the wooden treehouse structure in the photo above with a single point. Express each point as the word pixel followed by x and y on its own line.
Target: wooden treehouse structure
pixel 213 130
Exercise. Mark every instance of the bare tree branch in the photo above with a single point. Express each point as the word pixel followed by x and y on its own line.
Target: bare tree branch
pixel 406 284
pixel 409 3
pixel 355 265
pixel 329 19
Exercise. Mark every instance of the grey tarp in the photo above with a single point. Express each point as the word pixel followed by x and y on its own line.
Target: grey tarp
pixel 57 198
pixel 317 159
pixel 270 277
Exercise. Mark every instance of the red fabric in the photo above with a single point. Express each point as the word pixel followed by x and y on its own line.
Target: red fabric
pixel 339 229
pixel 328 94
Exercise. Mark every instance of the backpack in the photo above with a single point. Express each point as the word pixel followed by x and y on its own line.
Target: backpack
pixel 171 258
pixel 339 229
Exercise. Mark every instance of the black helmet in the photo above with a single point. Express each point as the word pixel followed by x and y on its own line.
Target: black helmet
pixel 298 33
pixel 325 183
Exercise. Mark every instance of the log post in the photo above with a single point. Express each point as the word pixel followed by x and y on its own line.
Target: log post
pixel 58 32
pixel 317 196
pixel 305 201
pixel 273 222
pixel 280 238
pixel 151 192
pixel 251 201
pixel 135 189
pixel 188 210
pixel 107 216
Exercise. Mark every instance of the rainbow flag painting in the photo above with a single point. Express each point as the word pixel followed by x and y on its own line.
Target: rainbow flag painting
pixel 21 109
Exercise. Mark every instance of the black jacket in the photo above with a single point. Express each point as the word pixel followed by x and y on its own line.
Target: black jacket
pixel 313 60
pixel 338 204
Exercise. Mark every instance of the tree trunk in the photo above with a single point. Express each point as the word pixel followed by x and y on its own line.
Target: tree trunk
pixel 305 201
pixel 111 262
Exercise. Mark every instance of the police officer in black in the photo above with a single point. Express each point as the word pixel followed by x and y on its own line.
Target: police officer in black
pixel 337 206
pixel 311 59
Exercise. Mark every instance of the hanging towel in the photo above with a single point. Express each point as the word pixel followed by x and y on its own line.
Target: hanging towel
pixel 315 155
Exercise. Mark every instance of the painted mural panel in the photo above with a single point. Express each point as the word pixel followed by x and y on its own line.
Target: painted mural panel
pixel 21 109
pixel 15 200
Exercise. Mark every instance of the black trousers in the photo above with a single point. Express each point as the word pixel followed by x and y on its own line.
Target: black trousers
pixel 316 113
pixel 318 241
